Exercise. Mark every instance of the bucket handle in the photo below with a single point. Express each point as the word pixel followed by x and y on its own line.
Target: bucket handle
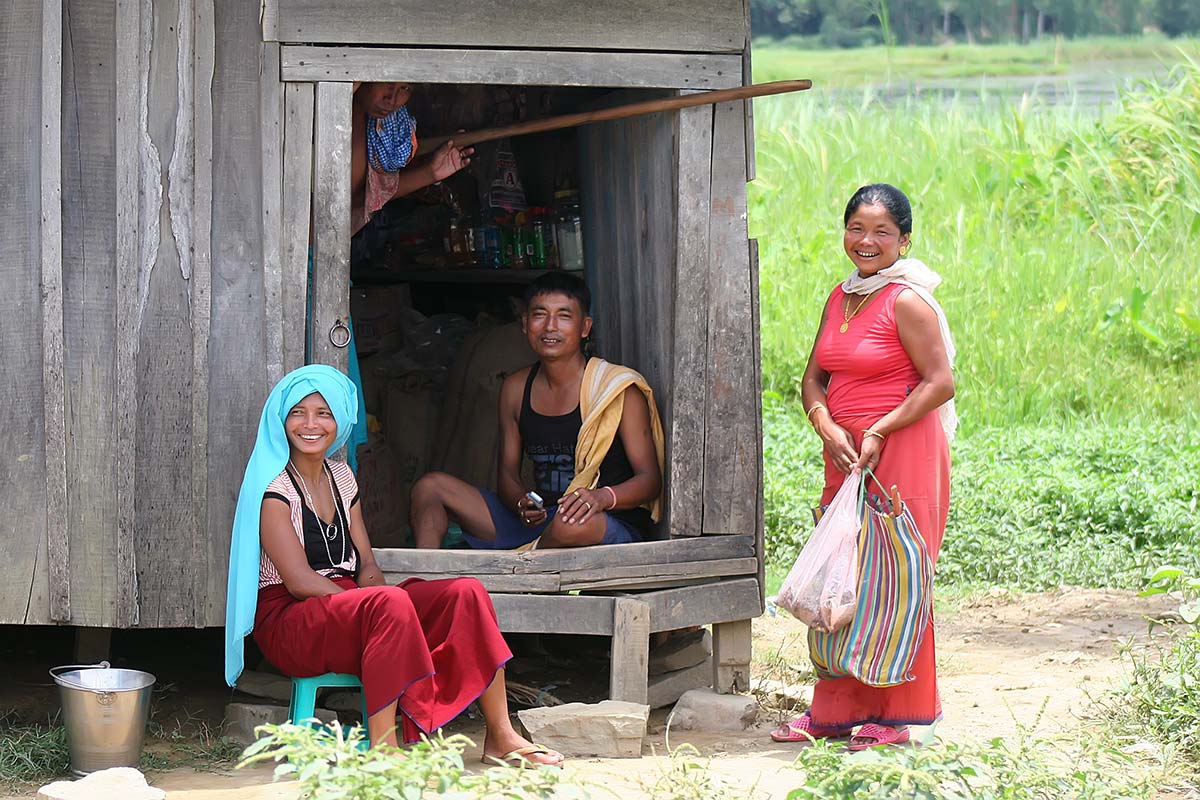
pixel 55 670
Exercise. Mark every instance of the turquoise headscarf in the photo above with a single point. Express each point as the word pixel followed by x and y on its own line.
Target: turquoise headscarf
pixel 268 459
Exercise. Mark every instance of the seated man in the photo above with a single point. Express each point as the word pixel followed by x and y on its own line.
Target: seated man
pixel 590 429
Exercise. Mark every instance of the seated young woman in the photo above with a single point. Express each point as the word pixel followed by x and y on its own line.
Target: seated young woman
pixel 303 579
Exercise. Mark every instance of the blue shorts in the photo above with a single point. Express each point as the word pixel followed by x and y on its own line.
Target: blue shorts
pixel 511 533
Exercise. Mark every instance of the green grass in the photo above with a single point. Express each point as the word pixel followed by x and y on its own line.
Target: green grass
pixel 1068 243
pixel 1032 508
pixel 839 68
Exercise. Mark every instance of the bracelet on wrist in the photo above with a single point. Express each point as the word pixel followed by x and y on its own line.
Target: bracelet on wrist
pixel 612 492
pixel 815 406
pixel 877 434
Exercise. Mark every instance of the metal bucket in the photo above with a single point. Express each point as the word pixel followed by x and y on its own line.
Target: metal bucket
pixel 105 711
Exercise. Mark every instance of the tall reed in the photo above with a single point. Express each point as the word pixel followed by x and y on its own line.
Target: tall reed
pixel 1068 239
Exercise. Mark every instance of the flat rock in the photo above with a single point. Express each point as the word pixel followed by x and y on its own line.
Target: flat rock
pixel 668 687
pixel 609 729
pixel 242 718
pixel 705 710
pixel 264 684
pixel 344 700
pixel 681 651
pixel 117 783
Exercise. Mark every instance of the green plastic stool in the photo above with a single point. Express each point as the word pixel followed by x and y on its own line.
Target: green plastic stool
pixel 304 697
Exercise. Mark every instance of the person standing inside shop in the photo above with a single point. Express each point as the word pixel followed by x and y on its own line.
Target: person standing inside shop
pixel 590 429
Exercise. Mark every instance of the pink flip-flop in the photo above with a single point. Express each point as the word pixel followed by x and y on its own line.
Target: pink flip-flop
pixel 879 735
pixel 796 730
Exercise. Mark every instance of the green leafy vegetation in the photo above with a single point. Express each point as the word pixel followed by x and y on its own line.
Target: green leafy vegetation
pixel 1024 767
pixel 31 753
pixel 329 765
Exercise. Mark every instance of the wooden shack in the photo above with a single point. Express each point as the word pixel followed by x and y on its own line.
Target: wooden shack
pixel 162 161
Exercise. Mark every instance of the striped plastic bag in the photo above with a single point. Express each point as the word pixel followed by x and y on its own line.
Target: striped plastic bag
pixel 895 599
pixel 820 588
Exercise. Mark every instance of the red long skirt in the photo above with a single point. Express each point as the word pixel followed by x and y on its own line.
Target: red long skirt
pixel 917 460
pixel 431 646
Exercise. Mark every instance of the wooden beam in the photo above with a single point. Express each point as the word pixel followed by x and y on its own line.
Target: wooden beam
pixel 697 26
pixel 200 290
pixel 128 192
pixel 528 613
pixel 53 387
pixel 655 574
pixel 731 656
pixel 630 654
pixel 297 204
pixel 726 601
pixel 494 583
pixel 747 79
pixel 760 547
pixel 270 94
pixel 512 67
pixel 685 473
pixel 331 226
pixel 640 554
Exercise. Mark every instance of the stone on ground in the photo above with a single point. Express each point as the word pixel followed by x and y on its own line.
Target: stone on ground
pixel 705 710
pixel 347 700
pixel 610 729
pixel 668 687
pixel 117 783
pixel 681 651
pixel 242 718
pixel 264 684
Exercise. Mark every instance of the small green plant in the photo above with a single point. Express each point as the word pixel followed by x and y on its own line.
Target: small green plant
pixel 1024 767
pixel 329 766
pixel 687 776
pixel 31 753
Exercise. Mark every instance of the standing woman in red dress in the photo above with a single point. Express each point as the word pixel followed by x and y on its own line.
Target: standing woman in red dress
pixel 303 579
pixel 879 391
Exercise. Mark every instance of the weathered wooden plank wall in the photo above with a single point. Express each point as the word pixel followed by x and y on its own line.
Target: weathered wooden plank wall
pixel 22 469
pixel 731 460
pixel 699 26
pixel 628 189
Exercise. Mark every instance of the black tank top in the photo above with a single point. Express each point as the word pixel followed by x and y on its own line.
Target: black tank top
pixel 549 444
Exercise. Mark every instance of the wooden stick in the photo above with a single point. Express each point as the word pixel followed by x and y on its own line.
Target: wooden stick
pixel 617 112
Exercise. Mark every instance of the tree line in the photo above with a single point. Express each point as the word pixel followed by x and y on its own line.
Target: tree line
pixel 855 23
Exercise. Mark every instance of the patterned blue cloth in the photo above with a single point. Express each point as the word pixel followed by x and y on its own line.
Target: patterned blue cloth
pixel 390 140
pixel 269 457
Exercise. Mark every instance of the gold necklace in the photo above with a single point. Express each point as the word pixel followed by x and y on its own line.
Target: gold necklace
pixel 846 317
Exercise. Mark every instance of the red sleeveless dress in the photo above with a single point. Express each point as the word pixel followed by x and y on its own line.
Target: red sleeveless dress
pixel 869 375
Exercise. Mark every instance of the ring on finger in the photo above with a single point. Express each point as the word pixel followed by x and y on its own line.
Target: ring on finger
pixel 589 505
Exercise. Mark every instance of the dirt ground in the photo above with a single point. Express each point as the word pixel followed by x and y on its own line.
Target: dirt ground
pixel 1002 659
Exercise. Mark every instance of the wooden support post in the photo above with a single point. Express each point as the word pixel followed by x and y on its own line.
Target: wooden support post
pixel 297 198
pixel 731 657
pixel 630 651
pixel 92 645
pixel 331 226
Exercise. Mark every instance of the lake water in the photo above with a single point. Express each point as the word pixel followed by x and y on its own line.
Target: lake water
pixel 1091 88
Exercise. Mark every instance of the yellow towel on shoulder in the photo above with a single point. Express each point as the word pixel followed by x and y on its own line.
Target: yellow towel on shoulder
pixel 601 402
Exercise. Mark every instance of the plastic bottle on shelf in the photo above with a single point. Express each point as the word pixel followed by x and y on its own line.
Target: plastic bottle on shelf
pixel 542 231
pixel 568 230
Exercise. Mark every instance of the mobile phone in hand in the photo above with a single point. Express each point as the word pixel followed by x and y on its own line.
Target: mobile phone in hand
pixel 536 499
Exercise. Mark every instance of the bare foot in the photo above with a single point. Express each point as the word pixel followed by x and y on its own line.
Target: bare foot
pixel 498 744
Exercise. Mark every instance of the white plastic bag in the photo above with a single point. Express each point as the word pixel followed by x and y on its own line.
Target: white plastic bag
pixel 822 588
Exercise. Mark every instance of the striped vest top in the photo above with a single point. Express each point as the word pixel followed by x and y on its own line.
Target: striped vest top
pixel 284 486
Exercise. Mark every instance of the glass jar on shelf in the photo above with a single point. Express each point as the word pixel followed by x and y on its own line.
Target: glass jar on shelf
pixel 568 230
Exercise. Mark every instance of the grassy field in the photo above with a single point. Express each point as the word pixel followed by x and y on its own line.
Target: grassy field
pixel 875 65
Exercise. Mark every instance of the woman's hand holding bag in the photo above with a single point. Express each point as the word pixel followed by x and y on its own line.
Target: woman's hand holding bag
pixel 821 590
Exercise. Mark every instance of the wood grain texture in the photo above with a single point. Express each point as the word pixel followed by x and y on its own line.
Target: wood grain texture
pixel 726 601
pixel 237 381
pixel 731 420
pixel 617 556
pixel 747 79
pixel 760 493
pixel 528 613
pixel 698 26
pixel 297 203
pixel 693 155
pixel 203 47
pixel 512 67
pixel 331 223
pixel 89 305
pixel 630 654
pixel 731 656
pixel 23 478
pixel 50 163
pixel 270 93
pixel 128 270
pixel 163 525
